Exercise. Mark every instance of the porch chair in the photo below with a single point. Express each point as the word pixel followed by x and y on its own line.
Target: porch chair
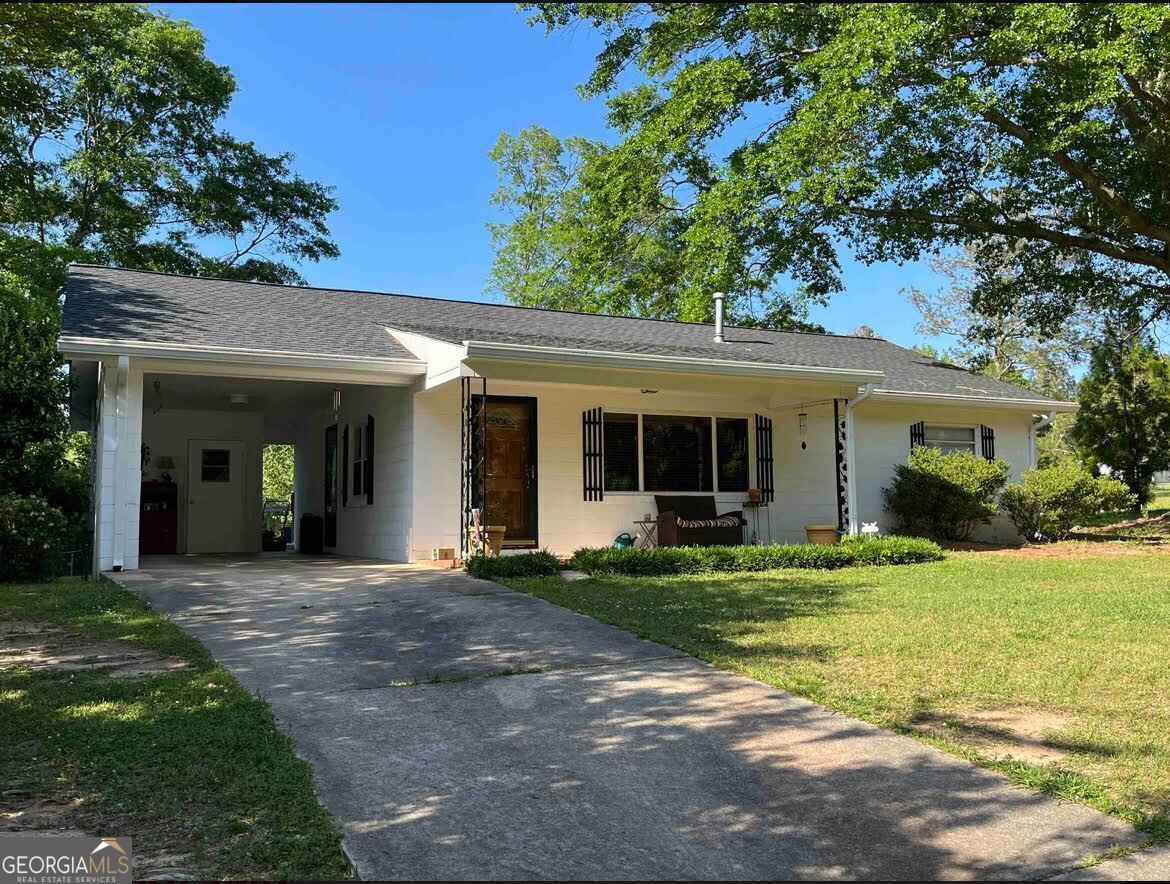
pixel 691 521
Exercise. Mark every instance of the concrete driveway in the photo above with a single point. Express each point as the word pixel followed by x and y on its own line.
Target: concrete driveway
pixel 457 729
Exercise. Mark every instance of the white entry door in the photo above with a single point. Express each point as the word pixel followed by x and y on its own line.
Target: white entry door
pixel 215 496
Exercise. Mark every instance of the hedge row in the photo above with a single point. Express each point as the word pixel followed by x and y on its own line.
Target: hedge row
pixel 662 561
pixel 537 564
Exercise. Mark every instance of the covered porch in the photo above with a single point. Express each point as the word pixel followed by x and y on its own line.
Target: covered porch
pixel 565 456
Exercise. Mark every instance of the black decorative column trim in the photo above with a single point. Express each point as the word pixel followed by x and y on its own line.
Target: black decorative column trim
pixel 839 448
pixel 472 457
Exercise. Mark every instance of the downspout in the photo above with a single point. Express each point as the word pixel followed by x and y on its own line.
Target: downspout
pixel 850 455
pixel 1034 434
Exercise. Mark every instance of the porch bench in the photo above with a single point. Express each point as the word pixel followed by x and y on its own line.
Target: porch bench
pixel 675 511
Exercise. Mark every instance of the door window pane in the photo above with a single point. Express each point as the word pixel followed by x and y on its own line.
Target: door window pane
pixel 621 452
pixel 216 465
pixel 677 453
pixel 731 438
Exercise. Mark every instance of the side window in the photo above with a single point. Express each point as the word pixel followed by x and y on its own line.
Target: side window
pixel 950 439
pixel 358 456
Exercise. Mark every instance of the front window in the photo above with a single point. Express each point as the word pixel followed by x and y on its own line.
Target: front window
pixel 950 439
pixel 731 443
pixel 621 452
pixel 676 453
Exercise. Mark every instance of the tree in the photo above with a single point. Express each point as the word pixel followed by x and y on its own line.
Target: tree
pixel 110 152
pixel 998 343
pixel 32 390
pixel 785 130
pixel 561 246
pixel 1124 419
pixel 278 472
pixel 864 331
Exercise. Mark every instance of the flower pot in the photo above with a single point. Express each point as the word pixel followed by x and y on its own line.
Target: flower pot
pixel 495 537
pixel 822 535
pixel 755 495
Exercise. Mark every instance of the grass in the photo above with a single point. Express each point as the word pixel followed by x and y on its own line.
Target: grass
pixel 186 762
pixel 1082 637
pixel 1159 505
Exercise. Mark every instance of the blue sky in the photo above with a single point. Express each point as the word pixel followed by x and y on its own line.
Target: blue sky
pixel 398 105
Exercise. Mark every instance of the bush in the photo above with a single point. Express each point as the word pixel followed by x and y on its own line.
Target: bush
pixel 537 564
pixel 667 560
pixel 944 495
pixel 1050 501
pixel 31 533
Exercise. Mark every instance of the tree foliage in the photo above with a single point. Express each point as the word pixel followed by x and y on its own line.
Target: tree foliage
pixel 560 243
pixel 278 472
pixel 1124 418
pixel 998 342
pixel 111 151
pixel 780 131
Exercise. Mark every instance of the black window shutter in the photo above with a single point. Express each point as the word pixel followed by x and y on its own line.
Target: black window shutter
pixel 764 458
pixel 987 438
pixel 593 453
pixel 369 481
pixel 345 465
pixel 917 434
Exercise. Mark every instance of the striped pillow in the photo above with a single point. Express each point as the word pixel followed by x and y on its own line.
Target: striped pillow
pixel 719 522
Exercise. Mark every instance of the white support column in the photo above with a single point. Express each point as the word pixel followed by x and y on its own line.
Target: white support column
pixel 119 465
pixel 864 393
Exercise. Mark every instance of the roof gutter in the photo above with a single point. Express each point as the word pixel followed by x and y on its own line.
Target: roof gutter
pixel 96 347
pixel 648 361
pixel 1036 406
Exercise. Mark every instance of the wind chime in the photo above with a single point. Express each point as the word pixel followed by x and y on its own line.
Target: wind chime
pixel 802 418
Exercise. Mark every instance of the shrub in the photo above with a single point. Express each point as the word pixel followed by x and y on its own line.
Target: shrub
pixel 537 564
pixel 667 560
pixel 31 533
pixel 944 495
pixel 1048 502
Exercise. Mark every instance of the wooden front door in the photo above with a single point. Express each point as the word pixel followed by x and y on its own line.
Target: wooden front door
pixel 510 430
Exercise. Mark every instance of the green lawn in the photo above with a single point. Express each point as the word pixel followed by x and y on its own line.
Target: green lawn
pixel 185 762
pixel 1084 639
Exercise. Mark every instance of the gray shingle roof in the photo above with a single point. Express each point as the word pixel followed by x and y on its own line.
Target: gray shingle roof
pixel 112 304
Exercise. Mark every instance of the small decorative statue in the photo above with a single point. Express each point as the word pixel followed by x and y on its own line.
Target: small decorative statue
pixel 870 528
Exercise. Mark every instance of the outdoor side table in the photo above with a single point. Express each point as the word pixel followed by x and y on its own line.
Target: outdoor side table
pixel 754 506
pixel 649 533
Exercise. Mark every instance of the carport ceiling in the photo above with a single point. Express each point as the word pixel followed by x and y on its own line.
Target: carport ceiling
pixel 201 393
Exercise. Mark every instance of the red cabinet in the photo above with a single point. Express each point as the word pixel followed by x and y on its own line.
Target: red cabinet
pixel 158 525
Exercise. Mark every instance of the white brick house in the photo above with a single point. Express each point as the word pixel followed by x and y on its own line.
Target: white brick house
pixel 585 418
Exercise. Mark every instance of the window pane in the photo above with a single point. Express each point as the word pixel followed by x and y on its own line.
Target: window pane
pixel 677 453
pixel 216 465
pixel 731 438
pixel 950 434
pixel 621 452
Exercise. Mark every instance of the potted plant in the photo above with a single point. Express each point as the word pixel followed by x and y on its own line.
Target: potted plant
pixel 822 535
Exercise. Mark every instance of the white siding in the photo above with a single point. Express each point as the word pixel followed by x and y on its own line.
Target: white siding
pixel 883 439
pixel 804 478
pixel 380 530
pixel 168 433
